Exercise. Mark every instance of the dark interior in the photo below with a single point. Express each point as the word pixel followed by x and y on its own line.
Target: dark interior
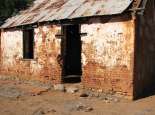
pixel 28 40
pixel 71 53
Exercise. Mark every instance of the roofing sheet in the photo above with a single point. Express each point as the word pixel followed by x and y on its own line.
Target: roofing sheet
pixel 50 10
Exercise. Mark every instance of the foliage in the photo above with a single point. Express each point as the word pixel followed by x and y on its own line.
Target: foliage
pixel 9 8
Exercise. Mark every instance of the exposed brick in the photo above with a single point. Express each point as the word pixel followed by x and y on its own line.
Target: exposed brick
pixel 44 67
pixel 107 55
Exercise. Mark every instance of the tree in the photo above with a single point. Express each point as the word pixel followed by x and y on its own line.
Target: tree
pixel 9 8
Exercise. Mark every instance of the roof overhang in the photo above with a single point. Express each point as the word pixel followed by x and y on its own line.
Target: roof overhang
pixel 54 10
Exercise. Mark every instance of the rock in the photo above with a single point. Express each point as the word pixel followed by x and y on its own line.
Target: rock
pixel 72 90
pixel 50 111
pixel 84 94
pixel 46 86
pixel 80 107
pixel 84 108
pixel 106 101
pixel 53 110
pixel 43 111
pixel 97 95
pixel 59 87
pixel 109 99
pixel 88 109
pixel 37 91
pixel 39 111
pixel 100 90
pixel 77 106
pixel 94 94
pixel 115 99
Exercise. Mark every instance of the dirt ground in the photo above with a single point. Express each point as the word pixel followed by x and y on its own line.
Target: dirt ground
pixel 24 99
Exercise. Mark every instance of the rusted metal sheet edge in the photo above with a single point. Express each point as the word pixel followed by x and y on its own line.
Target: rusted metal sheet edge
pixel 79 20
pixel 67 9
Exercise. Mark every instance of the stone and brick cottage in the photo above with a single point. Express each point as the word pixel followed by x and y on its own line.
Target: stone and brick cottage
pixel 110 43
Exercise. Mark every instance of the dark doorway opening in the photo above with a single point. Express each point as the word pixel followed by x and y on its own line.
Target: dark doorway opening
pixel 28 44
pixel 71 51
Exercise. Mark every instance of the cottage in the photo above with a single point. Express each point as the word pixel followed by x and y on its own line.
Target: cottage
pixel 108 44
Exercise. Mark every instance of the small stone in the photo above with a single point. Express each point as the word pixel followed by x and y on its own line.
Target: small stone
pixel 39 111
pixel 83 107
pixel 72 90
pixel 53 110
pixel 100 90
pixel 84 95
pixel 88 109
pixel 37 91
pixel 50 110
pixel 97 95
pixel 116 100
pixel 80 108
pixel 43 111
pixel 110 98
pixel 106 101
pixel 59 87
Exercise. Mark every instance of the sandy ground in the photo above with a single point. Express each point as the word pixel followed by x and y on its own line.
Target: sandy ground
pixel 38 101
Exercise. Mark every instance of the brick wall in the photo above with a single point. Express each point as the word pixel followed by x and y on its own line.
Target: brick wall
pixel 144 78
pixel 107 55
pixel 44 67
pixel 0 51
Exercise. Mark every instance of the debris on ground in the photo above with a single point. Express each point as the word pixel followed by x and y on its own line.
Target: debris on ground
pixel 37 91
pixel 59 87
pixel 83 102
pixel 10 92
pixel 39 111
pixel 18 89
pixel 43 111
pixel 12 89
pixel 78 106
pixel 84 108
pixel 72 89
pixel 46 86
pixel 105 97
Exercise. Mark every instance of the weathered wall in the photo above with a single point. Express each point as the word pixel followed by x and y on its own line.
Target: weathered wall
pixel 145 51
pixel 107 55
pixel 43 67
pixel 0 51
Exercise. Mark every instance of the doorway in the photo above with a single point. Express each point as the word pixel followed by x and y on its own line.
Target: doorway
pixel 71 52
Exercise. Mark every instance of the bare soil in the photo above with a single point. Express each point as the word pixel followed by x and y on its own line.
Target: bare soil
pixel 24 99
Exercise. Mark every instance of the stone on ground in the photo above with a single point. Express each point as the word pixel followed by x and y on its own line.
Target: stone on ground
pixel 59 87
pixel 72 90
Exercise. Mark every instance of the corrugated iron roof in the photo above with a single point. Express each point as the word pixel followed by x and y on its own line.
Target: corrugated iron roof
pixel 50 10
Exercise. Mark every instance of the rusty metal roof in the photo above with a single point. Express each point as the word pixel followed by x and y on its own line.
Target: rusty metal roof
pixel 50 10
